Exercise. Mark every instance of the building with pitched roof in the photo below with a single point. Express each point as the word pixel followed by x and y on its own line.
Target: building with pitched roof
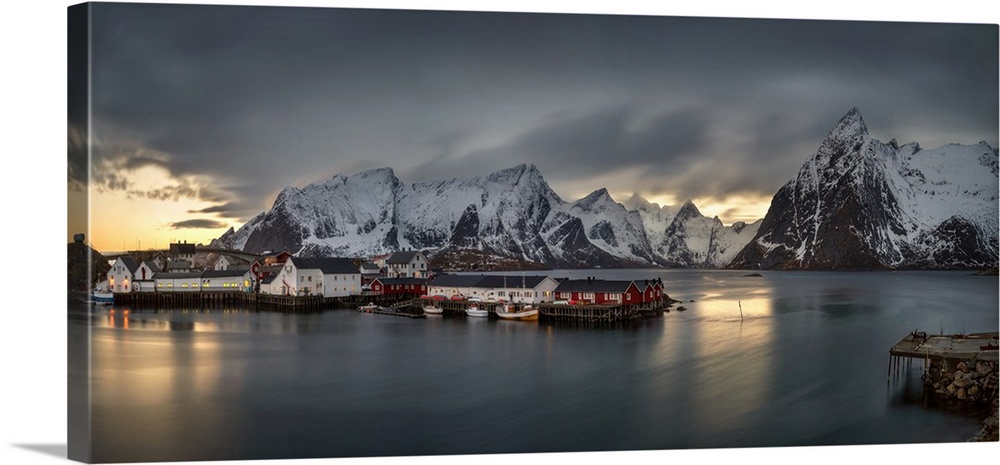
pixel 407 264
pixel 506 288
pixel 266 283
pixel 599 291
pixel 143 281
pixel 401 287
pixel 225 262
pixel 121 274
pixel 328 277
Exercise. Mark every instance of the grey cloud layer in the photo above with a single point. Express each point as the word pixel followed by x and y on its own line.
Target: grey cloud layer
pixel 260 98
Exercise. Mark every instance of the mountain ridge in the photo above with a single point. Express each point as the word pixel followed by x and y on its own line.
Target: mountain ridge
pixel 855 204
pixel 512 212
pixel 861 204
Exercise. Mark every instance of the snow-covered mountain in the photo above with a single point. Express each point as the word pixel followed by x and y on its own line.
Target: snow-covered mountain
pixel 859 203
pixel 512 212
pixel 682 236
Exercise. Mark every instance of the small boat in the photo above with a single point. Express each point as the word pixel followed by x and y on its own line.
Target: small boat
pixel 509 313
pixel 477 312
pixel 101 297
pixel 370 308
pixel 432 310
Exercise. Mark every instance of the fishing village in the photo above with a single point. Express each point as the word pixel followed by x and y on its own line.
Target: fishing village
pixel 399 284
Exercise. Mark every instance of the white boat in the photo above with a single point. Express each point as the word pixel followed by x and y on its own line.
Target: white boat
pixel 432 310
pixel 477 312
pixel 101 297
pixel 368 308
pixel 509 313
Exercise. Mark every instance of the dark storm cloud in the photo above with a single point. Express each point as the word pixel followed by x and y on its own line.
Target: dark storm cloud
pixel 221 209
pixel 198 224
pixel 580 145
pixel 259 98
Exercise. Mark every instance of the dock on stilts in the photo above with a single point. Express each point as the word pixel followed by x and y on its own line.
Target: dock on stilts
pixel 946 350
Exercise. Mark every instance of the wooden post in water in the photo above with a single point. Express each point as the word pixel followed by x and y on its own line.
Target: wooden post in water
pixel 740 303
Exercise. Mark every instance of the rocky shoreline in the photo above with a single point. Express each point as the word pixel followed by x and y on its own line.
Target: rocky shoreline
pixel 970 383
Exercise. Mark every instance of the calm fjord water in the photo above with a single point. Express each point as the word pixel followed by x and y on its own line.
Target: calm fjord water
pixel 806 365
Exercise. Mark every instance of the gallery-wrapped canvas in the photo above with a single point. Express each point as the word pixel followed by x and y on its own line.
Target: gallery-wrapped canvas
pixel 305 232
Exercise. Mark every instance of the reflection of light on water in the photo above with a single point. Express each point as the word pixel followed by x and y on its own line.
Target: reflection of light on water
pixel 718 307
pixel 730 363
pixel 157 373
pixel 202 326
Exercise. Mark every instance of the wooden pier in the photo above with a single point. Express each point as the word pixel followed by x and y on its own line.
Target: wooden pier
pixel 257 302
pixel 558 312
pixel 945 350
pixel 394 311
pixel 406 304
pixel 960 369
pixel 598 313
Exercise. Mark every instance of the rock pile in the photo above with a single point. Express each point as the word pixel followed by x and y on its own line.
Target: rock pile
pixel 973 383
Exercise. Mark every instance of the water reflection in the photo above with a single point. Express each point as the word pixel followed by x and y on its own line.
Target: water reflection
pixel 731 368
pixel 803 366
pixel 204 320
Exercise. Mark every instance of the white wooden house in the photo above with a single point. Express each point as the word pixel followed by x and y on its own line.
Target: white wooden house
pixel 450 285
pixel 329 277
pixel 143 281
pixel 121 274
pixel 518 289
pixel 225 262
pixel 267 285
pixel 508 288
pixel 409 264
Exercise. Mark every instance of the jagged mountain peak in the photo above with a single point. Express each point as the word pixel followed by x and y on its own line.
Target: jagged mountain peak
pixel 517 174
pixel 858 203
pixel 638 202
pixel 286 193
pixel 600 197
pixel 851 125
pixel 688 210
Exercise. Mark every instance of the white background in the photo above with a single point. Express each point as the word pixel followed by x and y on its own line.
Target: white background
pixel 33 329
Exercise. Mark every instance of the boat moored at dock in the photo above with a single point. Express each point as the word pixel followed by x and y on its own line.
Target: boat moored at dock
pixel 477 312
pixel 508 312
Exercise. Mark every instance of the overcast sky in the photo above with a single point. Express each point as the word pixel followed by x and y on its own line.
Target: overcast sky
pixel 234 103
